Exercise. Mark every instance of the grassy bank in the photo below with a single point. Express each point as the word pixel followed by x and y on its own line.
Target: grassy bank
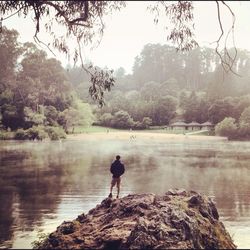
pixel 6 135
pixel 96 129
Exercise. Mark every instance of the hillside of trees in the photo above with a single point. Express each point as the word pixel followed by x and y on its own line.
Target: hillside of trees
pixel 36 97
pixel 166 86
pixel 39 98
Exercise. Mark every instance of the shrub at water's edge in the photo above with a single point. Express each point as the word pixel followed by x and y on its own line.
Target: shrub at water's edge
pixel 6 135
pixel 235 129
pixel 55 133
pixel 227 127
pixel 40 133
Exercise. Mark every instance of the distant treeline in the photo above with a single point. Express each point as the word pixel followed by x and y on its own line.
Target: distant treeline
pixel 39 98
pixel 166 86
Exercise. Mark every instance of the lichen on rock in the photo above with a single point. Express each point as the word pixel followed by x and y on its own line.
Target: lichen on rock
pixel 179 219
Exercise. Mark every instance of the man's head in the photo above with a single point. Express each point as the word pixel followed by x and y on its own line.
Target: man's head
pixel 118 157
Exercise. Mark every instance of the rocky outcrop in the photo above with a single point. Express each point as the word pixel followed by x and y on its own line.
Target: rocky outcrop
pixel 178 219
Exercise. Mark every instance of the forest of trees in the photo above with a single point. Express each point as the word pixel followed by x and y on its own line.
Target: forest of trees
pixel 39 98
pixel 36 98
pixel 166 86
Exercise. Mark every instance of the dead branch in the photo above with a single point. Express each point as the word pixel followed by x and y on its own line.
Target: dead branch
pixel 227 61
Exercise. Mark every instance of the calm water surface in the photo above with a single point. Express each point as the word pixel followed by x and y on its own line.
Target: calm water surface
pixel 45 183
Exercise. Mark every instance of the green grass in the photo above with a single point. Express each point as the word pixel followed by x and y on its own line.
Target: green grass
pixel 208 133
pixel 163 131
pixel 96 129
pixel 201 133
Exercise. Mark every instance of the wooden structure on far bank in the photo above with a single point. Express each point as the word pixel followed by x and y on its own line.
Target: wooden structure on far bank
pixel 180 125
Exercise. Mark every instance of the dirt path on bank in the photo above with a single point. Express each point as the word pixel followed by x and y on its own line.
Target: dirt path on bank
pixel 134 135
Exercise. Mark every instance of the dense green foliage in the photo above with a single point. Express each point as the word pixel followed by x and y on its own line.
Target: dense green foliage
pixel 235 130
pixel 36 97
pixel 227 127
pixel 40 133
pixel 166 86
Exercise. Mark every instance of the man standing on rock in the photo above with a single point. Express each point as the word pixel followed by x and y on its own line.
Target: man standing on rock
pixel 117 169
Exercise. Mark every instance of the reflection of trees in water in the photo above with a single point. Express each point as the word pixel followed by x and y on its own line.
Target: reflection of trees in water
pixel 35 189
pixel 37 176
pixel 225 175
pixel 10 157
pixel 214 174
pixel 6 218
pixel 228 183
pixel 145 163
pixel 234 192
pixel 98 174
pixel 38 194
pixel 7 190
pixel 222 171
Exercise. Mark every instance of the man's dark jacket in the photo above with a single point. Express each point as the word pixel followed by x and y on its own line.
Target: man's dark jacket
pixel 117 169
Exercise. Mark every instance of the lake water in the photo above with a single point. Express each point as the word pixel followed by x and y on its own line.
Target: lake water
pixel 44 183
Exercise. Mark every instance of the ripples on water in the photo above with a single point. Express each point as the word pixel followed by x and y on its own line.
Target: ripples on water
pixel 45 183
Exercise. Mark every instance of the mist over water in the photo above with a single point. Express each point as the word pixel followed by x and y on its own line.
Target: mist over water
pixel 44 183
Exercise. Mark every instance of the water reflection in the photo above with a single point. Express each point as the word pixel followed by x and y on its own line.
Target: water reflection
pixel 42 184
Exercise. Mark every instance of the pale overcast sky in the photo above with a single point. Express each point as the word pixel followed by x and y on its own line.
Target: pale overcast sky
pixel 130 29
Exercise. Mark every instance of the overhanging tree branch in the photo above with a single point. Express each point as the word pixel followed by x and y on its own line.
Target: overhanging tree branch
pixel 227 61
pixel 84 21
pixel 231 30
pixel 69 22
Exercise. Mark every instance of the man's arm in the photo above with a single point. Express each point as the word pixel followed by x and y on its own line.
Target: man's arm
pixel 122 169
pixel 111 168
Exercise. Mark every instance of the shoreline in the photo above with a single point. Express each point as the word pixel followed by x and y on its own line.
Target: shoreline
pixel 132 135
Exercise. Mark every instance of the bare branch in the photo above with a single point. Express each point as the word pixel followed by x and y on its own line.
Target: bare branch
pixel 228 61
pixel 222 32
pixel 231 30
pixel 81 58
pixel 38 41
pixel 11 14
